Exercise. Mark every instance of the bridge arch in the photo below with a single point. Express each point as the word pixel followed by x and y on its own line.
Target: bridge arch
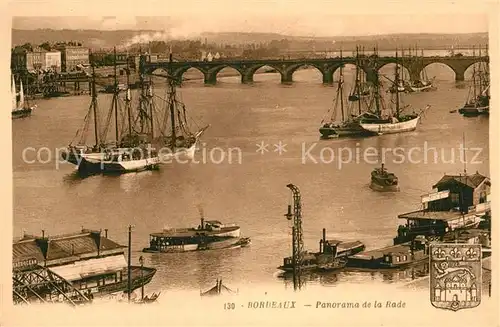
pixel 468 71
pixel 294 68
pixel 388 69
pixel 349 72
pixel 438 67
pixel 249 71
pixel 212 72
pixel 179 73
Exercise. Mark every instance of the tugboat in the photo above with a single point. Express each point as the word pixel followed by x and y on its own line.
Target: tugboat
pixel 209 235
pixel 384 181
pixel 332 255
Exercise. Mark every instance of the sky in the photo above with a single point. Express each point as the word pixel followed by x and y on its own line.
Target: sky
pixel 319 18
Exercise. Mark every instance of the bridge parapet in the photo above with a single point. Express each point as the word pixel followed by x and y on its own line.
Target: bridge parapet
pixel 327 66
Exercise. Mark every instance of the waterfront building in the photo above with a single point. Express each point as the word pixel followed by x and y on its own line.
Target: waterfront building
pixel 72 56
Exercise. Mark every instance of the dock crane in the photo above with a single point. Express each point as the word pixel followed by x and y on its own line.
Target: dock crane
pixel 297 241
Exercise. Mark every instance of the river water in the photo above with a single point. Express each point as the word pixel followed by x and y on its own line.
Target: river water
pixel 250 189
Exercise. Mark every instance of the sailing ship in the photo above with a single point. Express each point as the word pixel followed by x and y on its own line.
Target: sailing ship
pixel 20 106
pixel 394 123
pixel 136 144
pixel 349 125
pixel 209 235
pixel 423 84
pixel 478 98
pixel 384 181
pixel 407 84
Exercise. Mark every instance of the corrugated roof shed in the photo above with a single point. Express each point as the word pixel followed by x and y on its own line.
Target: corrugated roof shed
pixel 60 247
pixel 472 181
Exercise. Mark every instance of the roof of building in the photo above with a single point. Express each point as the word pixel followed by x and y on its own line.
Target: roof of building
pixel 436 215
pixel 472 181
pixel 60 247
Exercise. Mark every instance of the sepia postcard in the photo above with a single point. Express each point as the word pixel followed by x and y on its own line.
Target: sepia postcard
pixel 250 163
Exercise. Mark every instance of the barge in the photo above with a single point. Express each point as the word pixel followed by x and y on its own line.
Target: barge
pixel 209 235
pixel 332 255
pixel 394 256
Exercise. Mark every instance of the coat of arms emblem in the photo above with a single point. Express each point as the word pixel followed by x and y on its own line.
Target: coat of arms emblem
pixel 455 275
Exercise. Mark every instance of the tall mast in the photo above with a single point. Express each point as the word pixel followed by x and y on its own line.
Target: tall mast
pixel 474 81
pixel 94 100
pixel 341 88
pixel 377 89
pixel 142 57
pixel 115 97
pixel 396 80
pixel 358 80
pixel 151 109
pixel 481 76
pixel 127 98
pixel 172 102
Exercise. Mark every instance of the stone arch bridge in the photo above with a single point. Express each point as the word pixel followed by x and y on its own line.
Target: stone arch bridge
pixel 327 66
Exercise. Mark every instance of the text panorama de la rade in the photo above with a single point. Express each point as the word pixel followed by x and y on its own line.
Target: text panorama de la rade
pixel 318 305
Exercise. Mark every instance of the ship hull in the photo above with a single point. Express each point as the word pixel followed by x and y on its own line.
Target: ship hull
pixel 137 281
pixel 332 132
pixel 96 162
pixel 379 264
pixel 392 128
pixel 225 243
pixel 421 89
pixel 21 113
pixel 384 188
pixel 472 111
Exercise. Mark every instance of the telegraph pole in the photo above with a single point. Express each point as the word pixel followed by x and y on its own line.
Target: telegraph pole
pixel 129 272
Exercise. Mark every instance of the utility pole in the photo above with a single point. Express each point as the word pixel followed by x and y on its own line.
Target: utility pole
pixel 297 241
pixel 129 270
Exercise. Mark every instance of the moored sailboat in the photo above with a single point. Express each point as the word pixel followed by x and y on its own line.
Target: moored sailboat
pixel 424 83
pixel 349 124
pixel 394 123
pixel 478 97
pixel 20 108
pixel 109 157
pixel 137 143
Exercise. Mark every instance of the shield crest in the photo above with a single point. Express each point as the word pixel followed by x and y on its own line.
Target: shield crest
pixel 455 275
